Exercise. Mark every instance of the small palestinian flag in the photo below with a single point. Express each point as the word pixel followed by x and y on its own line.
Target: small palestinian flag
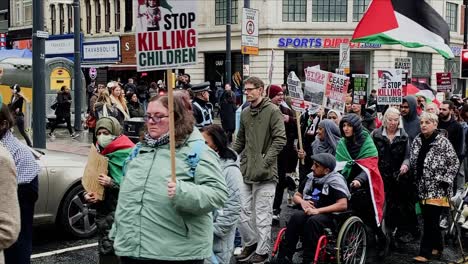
pixel 411 23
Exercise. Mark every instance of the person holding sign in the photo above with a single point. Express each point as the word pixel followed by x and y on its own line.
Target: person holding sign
pixel 158 220
pixel 116 148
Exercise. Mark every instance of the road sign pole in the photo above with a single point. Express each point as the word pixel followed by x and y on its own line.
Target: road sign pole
pixel 77 85
pixel 228 41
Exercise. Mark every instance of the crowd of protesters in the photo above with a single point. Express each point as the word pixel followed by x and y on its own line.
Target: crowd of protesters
pixel 416 151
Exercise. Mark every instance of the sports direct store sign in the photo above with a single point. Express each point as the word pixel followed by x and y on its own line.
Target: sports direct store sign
pixel 166 34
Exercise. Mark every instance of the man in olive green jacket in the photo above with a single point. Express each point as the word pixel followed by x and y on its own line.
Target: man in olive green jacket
pixel 260 139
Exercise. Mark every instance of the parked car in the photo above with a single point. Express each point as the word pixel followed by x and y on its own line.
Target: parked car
pixel 61 198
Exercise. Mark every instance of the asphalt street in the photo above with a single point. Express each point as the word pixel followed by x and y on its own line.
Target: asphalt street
pixel 51 246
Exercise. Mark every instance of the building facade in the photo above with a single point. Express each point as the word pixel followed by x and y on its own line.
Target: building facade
pixel 305 33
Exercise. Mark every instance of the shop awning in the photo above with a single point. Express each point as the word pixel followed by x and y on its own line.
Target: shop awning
pixel 122 67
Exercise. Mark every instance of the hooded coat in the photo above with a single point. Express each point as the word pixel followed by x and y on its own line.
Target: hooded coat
pixel 260 139
pixel 411 121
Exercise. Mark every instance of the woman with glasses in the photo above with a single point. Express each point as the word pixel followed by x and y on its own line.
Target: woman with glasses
pixel 158 220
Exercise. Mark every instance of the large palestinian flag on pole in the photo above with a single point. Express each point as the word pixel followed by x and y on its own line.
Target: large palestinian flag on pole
pixel 411 23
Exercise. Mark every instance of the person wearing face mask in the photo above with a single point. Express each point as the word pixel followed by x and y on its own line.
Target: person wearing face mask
pixel 16 108
pixel 116 148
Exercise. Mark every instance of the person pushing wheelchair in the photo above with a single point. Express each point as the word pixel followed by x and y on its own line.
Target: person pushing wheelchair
pixel 322 193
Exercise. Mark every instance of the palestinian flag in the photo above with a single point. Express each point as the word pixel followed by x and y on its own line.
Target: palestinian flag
pixel 367 159
pixel 411 23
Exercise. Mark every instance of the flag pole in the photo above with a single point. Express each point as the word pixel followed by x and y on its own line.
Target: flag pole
pixel 170 93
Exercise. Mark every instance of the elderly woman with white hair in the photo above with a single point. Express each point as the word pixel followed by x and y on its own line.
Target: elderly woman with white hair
pixel 432 108
pixel 434 164
pixel 393 145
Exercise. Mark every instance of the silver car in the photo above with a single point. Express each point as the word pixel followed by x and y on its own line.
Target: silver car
pixel 61 198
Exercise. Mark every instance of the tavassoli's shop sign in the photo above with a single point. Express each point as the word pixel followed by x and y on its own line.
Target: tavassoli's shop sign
pixel 166 34
pixel 322 42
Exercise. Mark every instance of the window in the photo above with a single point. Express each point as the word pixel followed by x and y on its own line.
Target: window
pixel 329 10
pixel 62 19
pixel 451 16
pixel 294 10
pixel 53 18
pixel 359 8
pixel 98 16
pixel 117 15
pixel 70 18
pixel 108 15
pixel 220 12
pixel 422 66
pixel 88 16
pixel 128 15
pixel 18 13
pixel 27 5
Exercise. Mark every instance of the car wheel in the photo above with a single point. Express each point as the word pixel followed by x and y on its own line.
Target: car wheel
pixel 78 217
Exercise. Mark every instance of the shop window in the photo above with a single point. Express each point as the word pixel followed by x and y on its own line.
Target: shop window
pixel 359 8
pixel 107 15
pixel 220 11
pixel 53 18
pixel 422 65
pixel 453 66
pixel 329 10
pixel 97 6
pixel 27 5
pixel 117 15
pixel 294 10
pixel 70 18
pixel 451 15
pixel 88 16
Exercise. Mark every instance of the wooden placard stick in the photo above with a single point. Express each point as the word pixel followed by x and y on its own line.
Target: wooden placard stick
pixel 170 93
pixel 299 134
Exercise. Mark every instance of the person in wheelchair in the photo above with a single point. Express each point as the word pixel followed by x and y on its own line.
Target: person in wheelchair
pixel 358 159
pixel 324 192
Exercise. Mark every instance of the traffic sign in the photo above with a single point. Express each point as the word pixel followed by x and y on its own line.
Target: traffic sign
pixel 249 42
pixel 42 34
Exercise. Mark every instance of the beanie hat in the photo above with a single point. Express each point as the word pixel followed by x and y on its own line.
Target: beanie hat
pixel 110 123
pixel 274 90
pixel 325 159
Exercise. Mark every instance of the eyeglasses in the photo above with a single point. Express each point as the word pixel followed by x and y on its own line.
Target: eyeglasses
pixel 155 119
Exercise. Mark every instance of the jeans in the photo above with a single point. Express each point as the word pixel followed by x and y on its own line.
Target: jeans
pixel 237 239
pixel 20 251
pixel 59 120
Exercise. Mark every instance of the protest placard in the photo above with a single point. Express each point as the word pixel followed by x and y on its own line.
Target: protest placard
pixel 295 92
pixel 315 83
pixel 166 34
pixel 336 91
pixel 96 165
pixel 360 88
pixel 406 64
pixel 390 85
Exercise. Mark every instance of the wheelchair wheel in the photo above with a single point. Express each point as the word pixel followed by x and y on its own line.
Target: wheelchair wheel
pixel 352 242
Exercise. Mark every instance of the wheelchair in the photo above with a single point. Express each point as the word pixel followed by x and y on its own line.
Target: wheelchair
pixel 346 244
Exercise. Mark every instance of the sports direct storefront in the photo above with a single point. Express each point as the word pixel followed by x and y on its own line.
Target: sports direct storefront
pixel 302 52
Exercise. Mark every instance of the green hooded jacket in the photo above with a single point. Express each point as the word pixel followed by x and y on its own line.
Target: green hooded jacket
pixel 150 225
pixel 260 139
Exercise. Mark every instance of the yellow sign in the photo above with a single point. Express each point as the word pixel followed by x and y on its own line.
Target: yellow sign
pixel 59 77
pixel 249 50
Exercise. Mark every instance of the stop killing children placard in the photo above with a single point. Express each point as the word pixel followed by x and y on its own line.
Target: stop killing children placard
pixel 166 34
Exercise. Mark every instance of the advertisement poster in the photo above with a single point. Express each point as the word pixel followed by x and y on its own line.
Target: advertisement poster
pixel 390 87
pixel 360 88
pixel 315 83
pixel 166 34
pixel 336 90
pixel 295 92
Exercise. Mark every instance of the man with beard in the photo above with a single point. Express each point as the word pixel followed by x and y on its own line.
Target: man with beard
pixel 410 117
pixel 453 129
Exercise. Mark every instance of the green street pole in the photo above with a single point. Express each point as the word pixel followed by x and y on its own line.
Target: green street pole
pixel 38 67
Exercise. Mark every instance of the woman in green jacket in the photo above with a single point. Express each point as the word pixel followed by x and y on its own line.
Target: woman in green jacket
pixel 160 221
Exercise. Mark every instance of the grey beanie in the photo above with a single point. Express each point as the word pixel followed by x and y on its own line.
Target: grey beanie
pixel 325 159
pixel 110 123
